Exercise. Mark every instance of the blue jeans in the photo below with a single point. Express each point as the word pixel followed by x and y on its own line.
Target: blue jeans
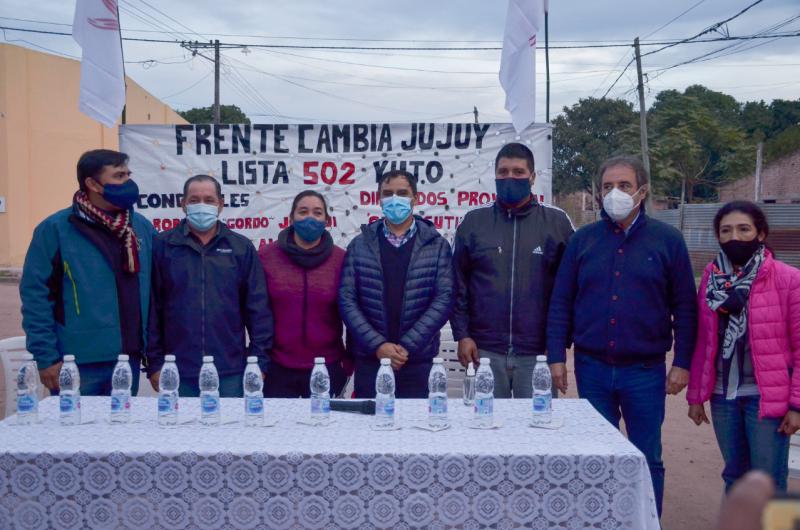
pixel 229 386
pixel 747 442
pixel 96 378
pixel 636 393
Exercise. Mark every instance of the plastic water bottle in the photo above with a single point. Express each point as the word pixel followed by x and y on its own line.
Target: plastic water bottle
pixel 320 391
pixel 469 385
pixel 209 392
pixel 168 383
pixel 384 395
pixel 27 391
pixel 121 381
pixel 542 392
pixel 253 393
pixel 69 395
pixel 437 395
pixel 484 394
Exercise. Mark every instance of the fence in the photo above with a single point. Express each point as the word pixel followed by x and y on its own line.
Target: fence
pixel 698 231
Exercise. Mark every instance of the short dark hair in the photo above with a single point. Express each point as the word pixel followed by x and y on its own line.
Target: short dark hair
pixel 633 162
pixel 202 178
pixel 516 150
pixel 309 193
pixel 398 173
pixel 748 208
pixel 91 163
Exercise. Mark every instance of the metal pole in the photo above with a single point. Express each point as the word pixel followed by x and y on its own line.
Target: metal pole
pixel 547 63
pixel 216 82
pixel 124 76
pixel 759 161
pixel 642 109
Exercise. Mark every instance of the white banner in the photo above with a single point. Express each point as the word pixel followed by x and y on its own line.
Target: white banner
pixel 263 166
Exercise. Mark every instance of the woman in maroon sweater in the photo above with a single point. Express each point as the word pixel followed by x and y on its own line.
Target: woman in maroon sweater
pixel 302 270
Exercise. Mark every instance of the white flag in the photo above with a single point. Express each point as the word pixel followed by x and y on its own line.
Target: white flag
pixel 96 29
pixel 518 62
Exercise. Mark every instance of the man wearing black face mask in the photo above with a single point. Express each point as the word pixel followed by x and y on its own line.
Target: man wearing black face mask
pixel 85 284
pixel 506 257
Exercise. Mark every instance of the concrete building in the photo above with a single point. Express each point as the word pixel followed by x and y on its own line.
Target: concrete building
pixel 42 135
pixel 780 182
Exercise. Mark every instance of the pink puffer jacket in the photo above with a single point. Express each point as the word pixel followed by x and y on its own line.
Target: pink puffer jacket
pixel 774 333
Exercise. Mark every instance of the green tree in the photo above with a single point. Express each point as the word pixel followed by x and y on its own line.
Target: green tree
pixel 227 114
pixel 585 135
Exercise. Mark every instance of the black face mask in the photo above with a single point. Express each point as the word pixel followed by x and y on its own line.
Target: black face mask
pixel 740 252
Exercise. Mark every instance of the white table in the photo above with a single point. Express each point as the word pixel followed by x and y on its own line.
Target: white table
pixel 344 475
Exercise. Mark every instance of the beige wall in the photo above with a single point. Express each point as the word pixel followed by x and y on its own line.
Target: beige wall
pixel 42 135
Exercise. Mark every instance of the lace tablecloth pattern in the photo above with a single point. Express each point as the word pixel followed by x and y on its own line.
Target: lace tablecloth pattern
pixel 343 475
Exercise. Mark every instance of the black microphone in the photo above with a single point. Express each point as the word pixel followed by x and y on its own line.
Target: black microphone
pixel 358 406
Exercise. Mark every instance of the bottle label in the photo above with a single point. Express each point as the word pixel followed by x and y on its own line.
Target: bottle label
pixel 209 404
pixel 484 406
pixel 69 404
pixel 167 404
pixel 25 404
pixel 542 403
pixel 120 403
pixel 320 405
pixel 384 406
pixel 253 405
pixel 437 405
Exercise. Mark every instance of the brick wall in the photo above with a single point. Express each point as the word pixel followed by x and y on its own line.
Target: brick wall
pixel 780 182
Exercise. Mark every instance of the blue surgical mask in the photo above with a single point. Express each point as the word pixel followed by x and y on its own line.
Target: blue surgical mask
pixel 512 191
pixel 396 209
pixel 309 229
pixel 123 195
pixel 202 216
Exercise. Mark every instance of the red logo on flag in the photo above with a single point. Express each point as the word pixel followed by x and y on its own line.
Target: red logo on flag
pixel 107 23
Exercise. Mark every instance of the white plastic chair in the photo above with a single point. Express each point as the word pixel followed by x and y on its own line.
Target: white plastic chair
pixel 11 351
pixel 448 351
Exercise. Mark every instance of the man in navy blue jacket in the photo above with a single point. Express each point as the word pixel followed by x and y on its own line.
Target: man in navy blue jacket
pixel 396 291
pixel 624 291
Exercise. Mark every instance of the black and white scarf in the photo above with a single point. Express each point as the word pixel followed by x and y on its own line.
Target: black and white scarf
pixel 728 291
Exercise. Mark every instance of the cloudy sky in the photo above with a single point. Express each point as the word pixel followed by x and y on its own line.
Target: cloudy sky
pixel 397 86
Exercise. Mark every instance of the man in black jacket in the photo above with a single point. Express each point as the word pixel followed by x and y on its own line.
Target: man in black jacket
pixel 506 257
pixel 208 287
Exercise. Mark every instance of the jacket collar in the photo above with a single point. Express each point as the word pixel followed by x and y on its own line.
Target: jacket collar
pixel 518 211
pixel 641 218
pixel 425 230
pixel 182 235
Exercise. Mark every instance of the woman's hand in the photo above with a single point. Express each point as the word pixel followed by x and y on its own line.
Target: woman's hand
pixel 698 414
pixel 791 423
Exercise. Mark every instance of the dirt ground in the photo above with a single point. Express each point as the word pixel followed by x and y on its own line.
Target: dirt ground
pixel 691 456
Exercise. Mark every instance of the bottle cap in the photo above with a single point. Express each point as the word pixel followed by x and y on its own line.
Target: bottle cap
pixel 386 362
pixel 438 360
pixel 319 360
pixel 470 369
pixel 541 358
pixel 252 359
pixel 69 358
pixel 169 358
pixel 123 357
pixel 485 360
pixel 208 358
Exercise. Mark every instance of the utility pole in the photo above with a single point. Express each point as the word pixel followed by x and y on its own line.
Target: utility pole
pixel 547 61
pixel 475 112
pixel 759 162
pixel 216 81
pixel 642 110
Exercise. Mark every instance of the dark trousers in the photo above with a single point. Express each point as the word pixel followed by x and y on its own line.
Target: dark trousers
pixel 230 386
pixel 283 382
pixel 411 381
pixel 96 377
pixel 636 393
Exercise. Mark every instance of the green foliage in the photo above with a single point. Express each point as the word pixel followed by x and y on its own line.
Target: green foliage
pixel 782 144
pixel 227 114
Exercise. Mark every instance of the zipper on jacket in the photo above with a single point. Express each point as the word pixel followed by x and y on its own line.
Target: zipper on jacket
pixel 68 272
pixel 203 301
pixel 511 309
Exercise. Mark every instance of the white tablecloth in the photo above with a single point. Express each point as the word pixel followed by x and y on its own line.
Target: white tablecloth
pixel 344 475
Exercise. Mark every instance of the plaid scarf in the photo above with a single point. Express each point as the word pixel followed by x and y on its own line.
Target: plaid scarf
pixel 119 225
pixel 727 292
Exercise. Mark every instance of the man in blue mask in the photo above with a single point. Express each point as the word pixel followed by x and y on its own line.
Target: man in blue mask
pixel 208 288
pixel 85 285
pixel 396 291
pixel 506 257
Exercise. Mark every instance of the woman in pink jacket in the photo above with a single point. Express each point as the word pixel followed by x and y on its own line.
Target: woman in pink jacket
pixel 747 354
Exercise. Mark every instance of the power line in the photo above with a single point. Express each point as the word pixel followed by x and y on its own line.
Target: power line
pixel 670 21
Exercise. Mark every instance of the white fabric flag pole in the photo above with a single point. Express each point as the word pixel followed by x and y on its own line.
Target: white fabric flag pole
pixel 518 61
pixel 96 29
